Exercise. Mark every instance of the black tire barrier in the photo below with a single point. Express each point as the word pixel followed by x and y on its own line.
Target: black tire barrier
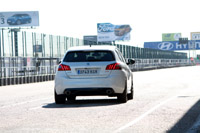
pixel 37 78
pixel 28 79
pixel 8 81
pixel 25 80
pixel 34 79
pixel 3 82
pixel 44 78
pixel 41 79
pixel 20 80
pixel 47 77
pixel 12 81
pixel 31 79
pixel 50 77
pixel 16 80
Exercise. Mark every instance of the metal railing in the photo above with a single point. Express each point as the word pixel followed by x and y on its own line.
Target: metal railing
pixel 30 74
pixel 145 64
pixel 8 72
pixel 16 75
pixel 33 57
pixel 27 71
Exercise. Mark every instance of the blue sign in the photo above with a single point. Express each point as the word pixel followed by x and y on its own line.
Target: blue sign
pixel 105 27
pixel 173 45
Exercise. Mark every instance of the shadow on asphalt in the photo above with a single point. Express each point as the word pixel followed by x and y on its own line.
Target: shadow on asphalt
pixel 185 123
pixel 83 103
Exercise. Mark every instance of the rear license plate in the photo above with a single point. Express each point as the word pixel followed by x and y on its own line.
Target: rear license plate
pixel 87 71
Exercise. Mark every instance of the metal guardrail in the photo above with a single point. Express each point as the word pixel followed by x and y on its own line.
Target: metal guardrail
pixel 25 79
pixel 16 75
pixel 22 75
pixel 9 72
pixel 26 71
pixel 145 64
pixel 27 63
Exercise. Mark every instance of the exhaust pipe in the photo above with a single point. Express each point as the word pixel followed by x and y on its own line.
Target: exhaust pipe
pixel 67 92
pixel 109 91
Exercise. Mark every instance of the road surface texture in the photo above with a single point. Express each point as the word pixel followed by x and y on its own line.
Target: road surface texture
pixel 166 100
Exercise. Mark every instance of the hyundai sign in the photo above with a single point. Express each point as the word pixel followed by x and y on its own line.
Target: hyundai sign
pixel 19 19
pixel 109 32
pixel 173 45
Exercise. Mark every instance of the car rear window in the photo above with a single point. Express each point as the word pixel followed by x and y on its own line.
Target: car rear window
pixel 88 56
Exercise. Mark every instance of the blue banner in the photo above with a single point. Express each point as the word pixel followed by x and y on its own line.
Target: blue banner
pixel 173 45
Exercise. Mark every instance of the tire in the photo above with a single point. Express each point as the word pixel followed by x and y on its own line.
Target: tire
pixel 59 99
pixel 71 98
pixel 130 96
pixel 122 98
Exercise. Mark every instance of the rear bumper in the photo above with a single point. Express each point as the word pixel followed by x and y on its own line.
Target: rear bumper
pixel 93 86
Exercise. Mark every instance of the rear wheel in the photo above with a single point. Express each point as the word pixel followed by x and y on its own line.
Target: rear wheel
pixel 130 96
pixel 59 99
pixel 122 98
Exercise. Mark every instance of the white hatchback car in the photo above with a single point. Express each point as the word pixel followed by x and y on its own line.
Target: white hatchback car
pixel 93 70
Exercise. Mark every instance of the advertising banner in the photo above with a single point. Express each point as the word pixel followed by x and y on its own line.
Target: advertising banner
pixel 109 32
pixel 19 19
pixel 171 36
pixel 90 40
pixel 173 45
pixel 195 35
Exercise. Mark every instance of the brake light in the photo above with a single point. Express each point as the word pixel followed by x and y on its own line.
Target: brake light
pixel 62 67
pixel 115 66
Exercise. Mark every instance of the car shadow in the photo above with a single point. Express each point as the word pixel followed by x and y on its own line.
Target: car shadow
pixel 83 103
pixel 185 123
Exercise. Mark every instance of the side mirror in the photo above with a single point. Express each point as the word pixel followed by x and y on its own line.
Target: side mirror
pixel 130 61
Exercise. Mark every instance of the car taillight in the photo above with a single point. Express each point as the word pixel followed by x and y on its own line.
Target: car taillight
pixel 62 67
pixel 115 66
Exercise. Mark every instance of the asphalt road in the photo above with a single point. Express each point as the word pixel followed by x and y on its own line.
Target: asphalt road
pixel 166 100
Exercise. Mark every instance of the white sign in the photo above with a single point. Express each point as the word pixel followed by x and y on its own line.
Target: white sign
pixel 109 32
pixel 195 35
pixel 19 19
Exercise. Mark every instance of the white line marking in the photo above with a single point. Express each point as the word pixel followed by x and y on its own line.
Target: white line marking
pixel 144 115
pixel 35 108
pixel 12 105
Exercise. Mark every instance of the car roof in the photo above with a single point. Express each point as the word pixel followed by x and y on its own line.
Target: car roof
pixel 93 47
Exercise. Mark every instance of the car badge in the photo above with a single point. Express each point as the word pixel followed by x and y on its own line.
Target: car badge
pixel 88 64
